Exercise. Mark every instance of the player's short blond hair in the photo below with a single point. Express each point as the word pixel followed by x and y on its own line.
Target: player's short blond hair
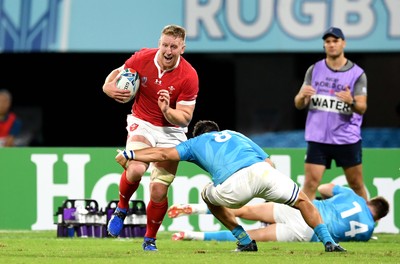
pixel 174 30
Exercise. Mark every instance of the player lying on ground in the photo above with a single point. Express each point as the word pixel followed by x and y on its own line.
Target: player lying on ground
pixel 240 171
pixel 348 218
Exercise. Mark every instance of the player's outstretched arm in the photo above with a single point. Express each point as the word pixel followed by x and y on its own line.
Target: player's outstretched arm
pixel 147 155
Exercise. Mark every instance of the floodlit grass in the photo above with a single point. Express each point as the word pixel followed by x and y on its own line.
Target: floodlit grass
pixel 44 247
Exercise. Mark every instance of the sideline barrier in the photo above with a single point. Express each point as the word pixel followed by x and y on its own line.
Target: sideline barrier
pixel 135 220
pixel 84 218
pixel 41 179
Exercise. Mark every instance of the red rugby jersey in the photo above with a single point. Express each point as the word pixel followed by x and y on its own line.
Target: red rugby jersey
pixel 182 83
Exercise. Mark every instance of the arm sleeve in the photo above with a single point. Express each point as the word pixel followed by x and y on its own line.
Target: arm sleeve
pixel 307 77
pixel 360 87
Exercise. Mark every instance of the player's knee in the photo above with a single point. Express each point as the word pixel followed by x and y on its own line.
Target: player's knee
pixel 161 175
pixel 302 197
pixel 311 184
pixel 204 193
pixel 136 171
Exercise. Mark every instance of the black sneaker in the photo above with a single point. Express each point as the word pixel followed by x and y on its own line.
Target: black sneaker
pixel 249 247
pixel 329 247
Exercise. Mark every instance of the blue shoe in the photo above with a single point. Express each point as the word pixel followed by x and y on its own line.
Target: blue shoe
pixel 116 222
pixel 149 244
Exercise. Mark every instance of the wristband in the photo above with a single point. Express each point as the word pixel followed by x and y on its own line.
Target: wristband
pixel 129 154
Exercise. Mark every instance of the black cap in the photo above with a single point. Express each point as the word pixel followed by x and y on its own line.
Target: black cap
pixel 333 31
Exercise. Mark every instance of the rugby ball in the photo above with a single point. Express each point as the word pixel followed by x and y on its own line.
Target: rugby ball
pixel 128 79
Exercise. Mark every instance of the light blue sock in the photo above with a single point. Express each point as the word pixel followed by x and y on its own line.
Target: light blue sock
pixel 224 235
pixel 323 234
pixel 241 235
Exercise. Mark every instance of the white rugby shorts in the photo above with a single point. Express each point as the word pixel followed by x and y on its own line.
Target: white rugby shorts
pixel 158 136
pixel 290 225
pixel 259 180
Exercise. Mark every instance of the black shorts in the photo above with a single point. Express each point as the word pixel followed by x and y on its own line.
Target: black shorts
pixel 348 155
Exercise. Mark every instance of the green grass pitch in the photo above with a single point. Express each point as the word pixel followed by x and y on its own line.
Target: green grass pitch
pixel 45 247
